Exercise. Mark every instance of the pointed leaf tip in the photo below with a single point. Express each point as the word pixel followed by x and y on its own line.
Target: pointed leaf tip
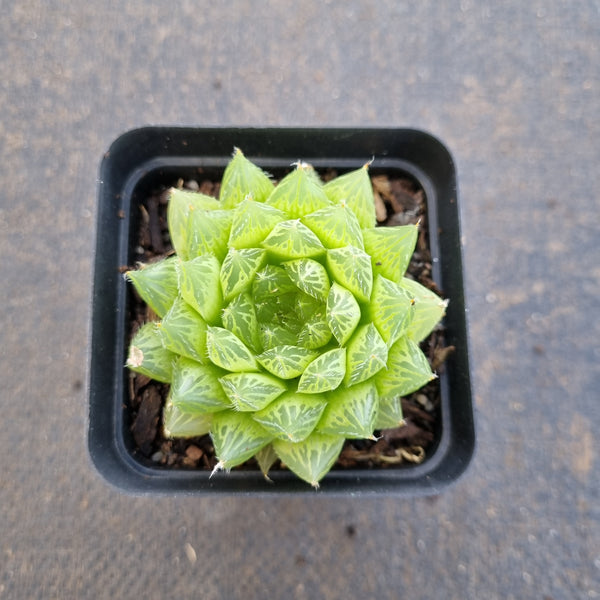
pixel 351 412
pixel 242 177
pixel 390 249
pixel 156 283
pixel 356 189
pixel 236 437
pixel 312 458
pixel 299 193
pixel 408 370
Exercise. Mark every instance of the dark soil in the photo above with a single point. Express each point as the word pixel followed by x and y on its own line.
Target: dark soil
pixel 399 201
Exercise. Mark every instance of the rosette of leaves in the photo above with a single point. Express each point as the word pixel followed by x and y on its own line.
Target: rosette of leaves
pixel 285 323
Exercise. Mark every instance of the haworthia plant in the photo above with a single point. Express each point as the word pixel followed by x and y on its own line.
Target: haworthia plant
pixel 286 322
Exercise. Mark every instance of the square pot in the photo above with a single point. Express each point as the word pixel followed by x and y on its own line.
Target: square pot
pixel 144 159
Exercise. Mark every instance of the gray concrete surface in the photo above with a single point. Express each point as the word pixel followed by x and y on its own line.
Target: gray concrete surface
pixel 513 90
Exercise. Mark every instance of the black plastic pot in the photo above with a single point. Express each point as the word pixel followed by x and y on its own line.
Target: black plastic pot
pixel 144 159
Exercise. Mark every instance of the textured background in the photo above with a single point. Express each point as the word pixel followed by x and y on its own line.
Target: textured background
pixel 512 88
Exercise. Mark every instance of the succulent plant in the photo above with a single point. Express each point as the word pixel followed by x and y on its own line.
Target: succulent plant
pixel 285 322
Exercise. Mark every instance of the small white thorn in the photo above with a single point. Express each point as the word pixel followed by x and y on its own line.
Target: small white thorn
pixel 218 467
pixel 300 164
pixel 315 485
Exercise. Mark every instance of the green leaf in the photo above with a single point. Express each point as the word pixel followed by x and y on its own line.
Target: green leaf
pixel 343 313
pixel 287 361
pixel 274 334
pixel 278 308
pixel 271 281
pixel 179 424
pixel 305 306
pixel 227 351
pixel 324 373
pixel 351 268
pixel 239 268
pixel 367 355
pixel 389 414
pixel 200 286
pixel 251 391
pixel 309 276
pixel 336 226
pixel 241 178
pixel 292 416
pixel 239 317
pixel 390 309
pixel 408 370
pixel 312 458
pixel 180 200
pixel 292 239
pixel 315 333
pixel 252 223
pixel 209 232
pixel 428 310
pixel 148 356
pixel 266 458
pixel 181 204
pixel 391 249
pixel 196 388
pixel 183 331
pixel 156 283
pixel 236 437
pixel 356 191
pixel 351 412
pixel 299 193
